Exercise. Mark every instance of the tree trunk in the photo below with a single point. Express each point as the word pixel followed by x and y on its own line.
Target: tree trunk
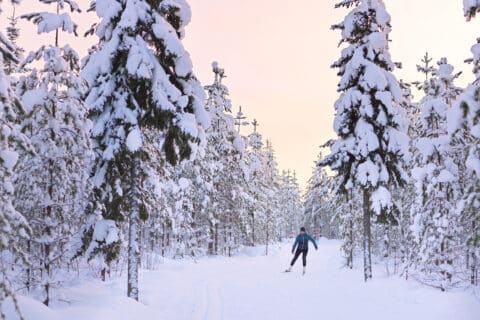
pixel 216 238
pixel 267 235
pixel 48 231
pixel 467 260
pixel 350 245
pixel 133 254
pixel 133 232
pixel 367 236
pixel 230 236
pixel 350 232
pixel 473 269
pixel 47 271
pixel 253 229
pixel 28 282
pixel 473 264
pixel 212 240
pixel 103 274
pixel 163 239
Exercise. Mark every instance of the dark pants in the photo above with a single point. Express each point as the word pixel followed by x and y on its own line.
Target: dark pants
pixel 297 254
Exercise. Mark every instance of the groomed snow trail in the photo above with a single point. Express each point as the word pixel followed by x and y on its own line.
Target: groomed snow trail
pixel 255 288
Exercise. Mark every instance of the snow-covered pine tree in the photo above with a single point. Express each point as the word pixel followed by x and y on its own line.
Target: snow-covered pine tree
pixel 13 32
pixel 283 221
pixel 371 143
pixel 256 185
pixel 334 210
pixel 348 211
pixel 158 203
pixel 14 229
pixel 393 236
pixel 463 126
pixel 58 128
pixel 405 197
pixel 291 209
pixel 272 190
pixel 225 148
pixel 313 199
pixel 183 215
pixel 320 211
pixel 240 120
pixel 435 223
pixel 462 142
pixel 426 68
pixel 139 81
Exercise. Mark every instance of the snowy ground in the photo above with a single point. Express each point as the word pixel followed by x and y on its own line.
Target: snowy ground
pixel 247 287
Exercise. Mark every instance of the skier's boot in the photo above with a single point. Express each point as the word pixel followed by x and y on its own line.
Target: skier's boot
pixel 289 269
pixel 304 270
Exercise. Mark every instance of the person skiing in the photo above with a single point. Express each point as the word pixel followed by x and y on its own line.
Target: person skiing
pixel 301 243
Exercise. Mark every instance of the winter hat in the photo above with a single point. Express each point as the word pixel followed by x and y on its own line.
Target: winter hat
pixel 302 229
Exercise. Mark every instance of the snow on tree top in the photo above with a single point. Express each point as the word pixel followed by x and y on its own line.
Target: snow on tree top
pixel 354 20
pixel 48 22
pixel 445 70
pixel 182 11
pixel 471 8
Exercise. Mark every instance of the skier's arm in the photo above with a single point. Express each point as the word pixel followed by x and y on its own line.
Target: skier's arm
pixel 295 244
pixel 313 241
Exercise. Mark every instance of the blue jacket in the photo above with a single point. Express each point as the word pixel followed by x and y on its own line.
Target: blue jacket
pixel 302 242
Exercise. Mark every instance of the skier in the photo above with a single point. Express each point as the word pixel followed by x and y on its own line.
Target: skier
pixel 301 243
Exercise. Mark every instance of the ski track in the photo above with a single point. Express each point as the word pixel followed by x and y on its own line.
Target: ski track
pixel 243 287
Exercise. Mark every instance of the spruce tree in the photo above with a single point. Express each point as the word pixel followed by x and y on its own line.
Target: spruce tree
pixel 405 197
pixel 140 78
pixel 334 213
pixel 321 209
pixel 224 153
pixel 463 126
pixel 272 182
pixel 291 208
pixel 371 143
pixel 57 126
pixel 13 32
pixel 435 223
pixel 256 184
pixel 14 228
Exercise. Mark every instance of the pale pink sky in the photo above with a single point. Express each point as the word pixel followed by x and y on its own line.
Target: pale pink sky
pixel 277 55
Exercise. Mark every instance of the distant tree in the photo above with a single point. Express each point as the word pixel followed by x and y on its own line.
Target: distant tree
pixel 256 184
pixel 13 32
pixel 272 181
pixel 320 210
pixel 291 207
